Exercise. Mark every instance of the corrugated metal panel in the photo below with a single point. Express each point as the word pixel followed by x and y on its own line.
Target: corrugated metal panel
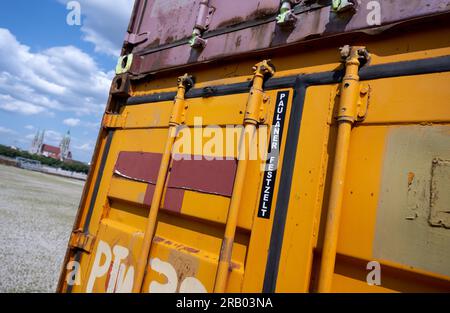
pixel 253 23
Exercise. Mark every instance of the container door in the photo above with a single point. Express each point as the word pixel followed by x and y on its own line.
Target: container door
pixel 394 230
pixel 191 221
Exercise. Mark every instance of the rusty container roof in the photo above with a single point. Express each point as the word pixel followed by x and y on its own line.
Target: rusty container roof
pixel 159 32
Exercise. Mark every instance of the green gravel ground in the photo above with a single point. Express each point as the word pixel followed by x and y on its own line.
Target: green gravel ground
pixel 36 216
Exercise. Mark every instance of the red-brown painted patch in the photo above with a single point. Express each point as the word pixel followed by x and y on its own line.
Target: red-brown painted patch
pixel 172 201
pixel 208 176
pixel 141 166
pixel 149 195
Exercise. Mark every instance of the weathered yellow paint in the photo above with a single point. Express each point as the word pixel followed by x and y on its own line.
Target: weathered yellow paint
pixel 190 241
pixel 307 188
pixel 255 106
pixel 346 117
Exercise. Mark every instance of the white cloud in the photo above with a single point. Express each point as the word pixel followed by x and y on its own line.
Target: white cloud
pixel 86 147
pixel 4 130
pixel 29 127
pixel 104 24
pixel 56 79
pixel 53 137
pixel 72 122
pixel 10 104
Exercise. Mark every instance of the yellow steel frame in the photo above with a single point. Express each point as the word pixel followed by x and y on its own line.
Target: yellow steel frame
pixel 177 117
pixel 252 118
pixel 118 215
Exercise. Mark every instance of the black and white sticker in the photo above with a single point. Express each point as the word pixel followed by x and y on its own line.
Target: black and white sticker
pixel 273 154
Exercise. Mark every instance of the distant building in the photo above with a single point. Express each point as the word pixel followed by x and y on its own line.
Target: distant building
pixel 61 153
pixel 64 147
pixel 38 141
pixel 51 151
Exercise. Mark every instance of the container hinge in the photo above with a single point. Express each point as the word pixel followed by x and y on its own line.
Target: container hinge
pixel 201 25
pixel 363 102
pixel 286 17
pixel 178 116
pixel 258 102
pixel 114 120
pixel 81 240
pixel 135 39
pixel 340 6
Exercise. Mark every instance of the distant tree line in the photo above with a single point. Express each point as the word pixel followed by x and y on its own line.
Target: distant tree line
pixel 69 165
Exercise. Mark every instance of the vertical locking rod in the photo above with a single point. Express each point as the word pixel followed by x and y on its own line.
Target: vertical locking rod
pixel 347 115
pixel 252 117
pixel 178 111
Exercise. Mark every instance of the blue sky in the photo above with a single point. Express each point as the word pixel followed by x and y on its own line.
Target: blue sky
pixel 54 76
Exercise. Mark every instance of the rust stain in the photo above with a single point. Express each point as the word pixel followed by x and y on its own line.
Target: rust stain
pixel 230 22
pixel 108 276
pixel 411 176
pixel 260 14
pixel 318 23
pixel 169 39
pixel 256 15
pixel 154 43
pixel 235 266
pixel 191 250
pixel 185 265
pixel 158 239
pixel 238 41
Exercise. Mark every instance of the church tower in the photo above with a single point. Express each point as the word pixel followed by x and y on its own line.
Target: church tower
pixel 38 141
pixel 65 147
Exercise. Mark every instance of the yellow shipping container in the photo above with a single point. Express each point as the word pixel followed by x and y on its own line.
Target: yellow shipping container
pixel 321 170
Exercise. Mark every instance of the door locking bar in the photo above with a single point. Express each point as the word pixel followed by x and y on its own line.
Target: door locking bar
pixel 349 112
pixel 253 116
pixel 177 118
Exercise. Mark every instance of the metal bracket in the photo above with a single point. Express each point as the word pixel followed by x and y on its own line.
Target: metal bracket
pixel 286 18
pixel 201 25
pixel 114 120
pixel 124 64
pixel 363 103
pixel 257 105
pixel 340 6
pixel 135 39
pixel 82 241
pixel 196 40
pixel 178 116
pixel 120 85
pixel 264 109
